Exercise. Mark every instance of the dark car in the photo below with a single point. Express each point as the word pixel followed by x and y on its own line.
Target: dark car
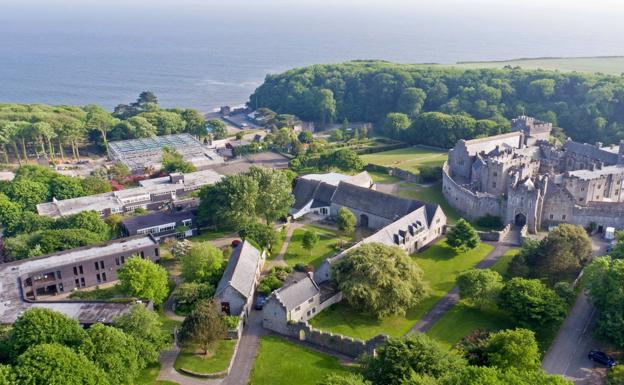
pixel 602 358
pixel 260 300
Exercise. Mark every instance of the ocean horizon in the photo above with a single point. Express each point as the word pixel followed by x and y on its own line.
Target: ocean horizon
pixel 205 56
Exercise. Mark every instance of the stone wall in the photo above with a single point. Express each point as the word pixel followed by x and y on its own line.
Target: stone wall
pixel 469 204
pixel 494 236
pixel 348 346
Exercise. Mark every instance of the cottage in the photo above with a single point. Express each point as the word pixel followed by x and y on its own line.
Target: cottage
pixel 238 283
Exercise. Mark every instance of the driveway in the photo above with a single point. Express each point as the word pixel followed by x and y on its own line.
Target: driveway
pixel 247 350
pixel 568 353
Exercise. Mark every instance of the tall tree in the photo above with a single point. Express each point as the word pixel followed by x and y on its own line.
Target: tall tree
pixel 346 220
pixel 101 121
pixel 202 263
pixel 379 279
pixel 114 352
pixel 462 236
pixel 143 278
pixel 479 286
pixel 274 193
pixel 146 328
pixel 204 326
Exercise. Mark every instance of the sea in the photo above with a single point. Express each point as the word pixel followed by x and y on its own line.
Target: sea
pixel 204 54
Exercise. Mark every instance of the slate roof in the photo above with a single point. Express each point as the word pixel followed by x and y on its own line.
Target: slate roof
pixel 605 155
pixel 306 190
pixel 299 292
pixel 240 272
pixel 132 224
pixel 374 202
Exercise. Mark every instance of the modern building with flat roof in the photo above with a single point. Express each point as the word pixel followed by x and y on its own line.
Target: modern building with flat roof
pixel 34 282
pixel 152 194
pixel 145 154
pixel 162 224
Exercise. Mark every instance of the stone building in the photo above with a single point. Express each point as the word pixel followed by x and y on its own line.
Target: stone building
pixel 525 180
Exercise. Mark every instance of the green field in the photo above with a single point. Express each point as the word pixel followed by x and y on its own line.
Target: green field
pixel 295 253
pixel 503 262
pixel 440 263
pixel 217 360
pixel 280 362
pixel 409 159
pixel 379 177
pixel 462 319
pixel 606 65
pixel 430 194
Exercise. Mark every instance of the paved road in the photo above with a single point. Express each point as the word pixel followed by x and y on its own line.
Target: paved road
pixel 447 302
pixel 568 353
pixel 247 350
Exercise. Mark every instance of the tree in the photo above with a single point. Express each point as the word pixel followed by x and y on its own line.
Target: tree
pixel 396 124
pixel 462 236
pixel 101 121
pixel 336 135
pixel 146 328
pixel 309 240
pixel 346 220
pixel 531 304
pixel 263 235
pixel 85 220
pixel 188 294
pixel 114 352
pixel 172 161
pixel 479 286
pixel 28 193
pixel 411 101
pixel 54 364
pixel 92 185
pixel 415 355
pixel 513 349
pixel 204 325
pixel 344 159
pixel 41 326
pixel 65 187
pixel 51 241
pixel 274 193
pixel 305 137
pixel 558 257
pixel 143 278
pixel 379 279
pixel 343 379
pixel 9 212
pixel 229 203
pixel 203 263
pixel 604 277
pixel 6 375
pixel 217 128
pixel 119 171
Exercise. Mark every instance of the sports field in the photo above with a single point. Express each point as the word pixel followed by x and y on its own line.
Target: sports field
pixel 409 159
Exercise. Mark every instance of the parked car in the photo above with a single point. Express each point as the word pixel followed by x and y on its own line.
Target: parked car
pixel 602 358
pixel 260 300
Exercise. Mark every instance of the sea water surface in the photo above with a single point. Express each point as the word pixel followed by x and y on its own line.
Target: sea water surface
pixel 206 54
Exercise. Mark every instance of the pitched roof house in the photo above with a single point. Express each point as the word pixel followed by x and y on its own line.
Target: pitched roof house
pixel 237 285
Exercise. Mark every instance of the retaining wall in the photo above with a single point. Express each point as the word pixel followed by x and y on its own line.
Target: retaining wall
pixel 494 236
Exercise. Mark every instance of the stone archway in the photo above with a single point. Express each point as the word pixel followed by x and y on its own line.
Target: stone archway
pixel 364 220
pixel 520 219
pixel 301 335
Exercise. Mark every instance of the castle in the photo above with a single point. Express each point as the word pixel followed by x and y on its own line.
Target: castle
pixel 524 179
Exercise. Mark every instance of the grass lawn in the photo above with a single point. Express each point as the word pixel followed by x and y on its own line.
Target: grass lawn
pixel 149 374
pixel 503 262
pixel 207 235
pixel 462 319
pixel 431 194
pixel 110 293
pixel 295 253
pixel 408 159
pixel 217 360
pixel 275 249
pixel 440 264
pixel 379 177
pixel 280 362
pixel 607 65
pixel 168 325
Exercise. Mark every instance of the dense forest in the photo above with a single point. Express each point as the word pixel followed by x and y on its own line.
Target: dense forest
pixel 54 132
pixel 444 103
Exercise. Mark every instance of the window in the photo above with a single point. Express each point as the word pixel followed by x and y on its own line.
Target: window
pixel 309 312
pixel 156 251
pixel 102 265
pixel 77 282
pixel 298 308
pixel 142 255
pixel 599 186
pixel 563 217
pixel 60 286
pixel 580 199
pixel 98 278
pixel 311 300
pixel 117 261
pixel 97 265
pixel 75 270
pixel 313 310
pixel 82 282
pixel 104 277
pixel 495 173
pixel 123 259
pixel 58 274
pixel 582 188
pixel 494 185
pixel 80 269
pixel 551 216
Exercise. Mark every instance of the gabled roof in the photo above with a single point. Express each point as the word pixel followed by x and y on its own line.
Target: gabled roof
pixel 306 190
pixel 240 272
pixel 297 293
pixel 374 202
pixel 606 155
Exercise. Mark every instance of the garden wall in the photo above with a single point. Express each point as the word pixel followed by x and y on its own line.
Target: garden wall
pixel 494 236
pixel 348 346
